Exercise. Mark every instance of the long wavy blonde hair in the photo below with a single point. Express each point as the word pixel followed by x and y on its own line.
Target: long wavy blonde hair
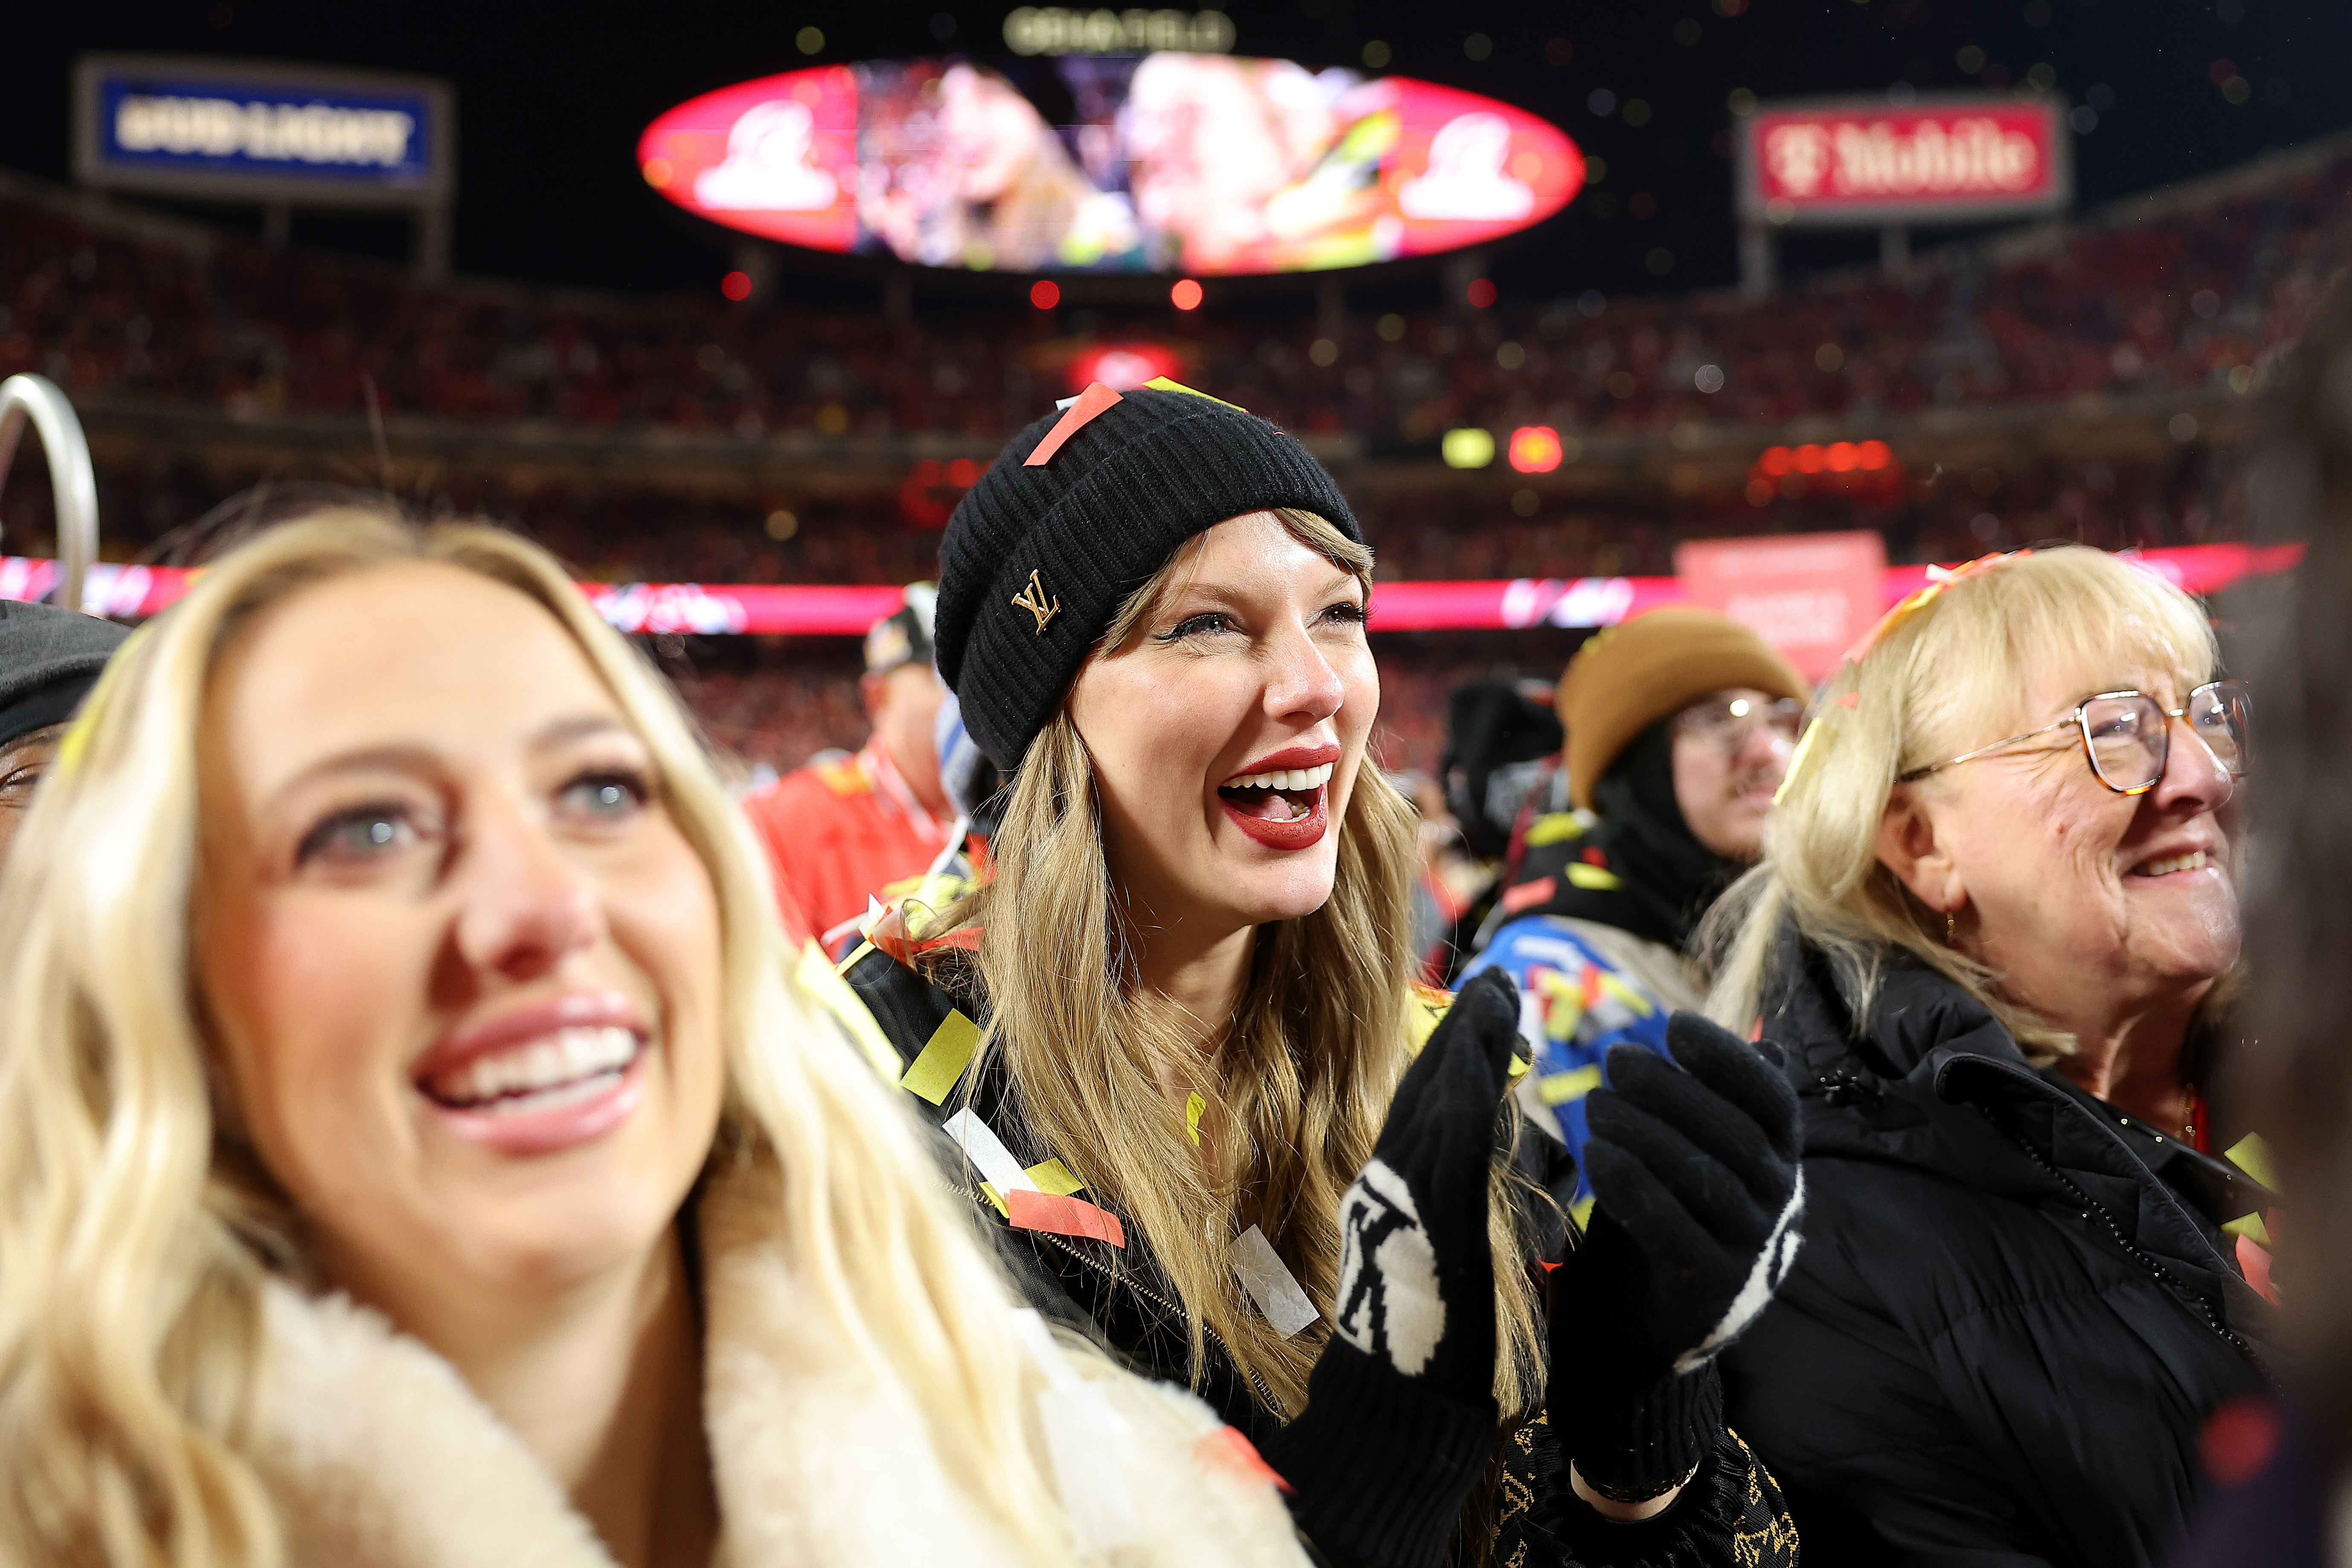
pixel 1943 678
pixel 1304 1075
pixel 135 1240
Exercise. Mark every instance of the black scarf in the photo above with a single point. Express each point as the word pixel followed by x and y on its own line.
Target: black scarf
pixel 1666 877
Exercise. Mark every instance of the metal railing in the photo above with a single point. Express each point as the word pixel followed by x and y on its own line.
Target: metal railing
pixel 71 478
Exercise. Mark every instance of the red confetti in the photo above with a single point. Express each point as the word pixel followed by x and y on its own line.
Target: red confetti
pixel 1091 402
pixel 1064 1216
pixel 1226 1449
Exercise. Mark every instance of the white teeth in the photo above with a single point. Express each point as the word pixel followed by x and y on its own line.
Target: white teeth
pixel 2192 861
pixel 567 1059
pixel 1284 779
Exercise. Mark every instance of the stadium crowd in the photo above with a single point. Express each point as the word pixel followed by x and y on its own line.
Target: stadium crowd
pixel 2191 299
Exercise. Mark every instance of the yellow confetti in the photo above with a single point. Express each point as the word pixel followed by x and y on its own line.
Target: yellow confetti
pixel 2253 1157
pixel 942 1059
pixel 1194 1109
pixel 1560 1088
pixel 1581 875
pixel 1161 383
pixel 1554 828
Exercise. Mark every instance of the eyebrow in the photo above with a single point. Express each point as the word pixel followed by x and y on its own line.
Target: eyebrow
pixel 404 758
pixel 1232 593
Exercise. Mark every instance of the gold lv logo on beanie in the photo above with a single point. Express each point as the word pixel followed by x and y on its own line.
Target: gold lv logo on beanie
pixel 1033 600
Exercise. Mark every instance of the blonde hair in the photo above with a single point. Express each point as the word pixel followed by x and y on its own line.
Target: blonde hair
pixel 1305 1075
pixel 1942 679
pixel 135 1240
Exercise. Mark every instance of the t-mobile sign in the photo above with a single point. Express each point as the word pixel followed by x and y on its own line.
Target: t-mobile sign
pixel 1948 161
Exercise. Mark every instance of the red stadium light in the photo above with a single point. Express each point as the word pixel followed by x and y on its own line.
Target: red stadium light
pixel 1841 457
pixel 1775 461
pixel 1185 295
pixel 736 286
pixel 1810 459
pixel 1534 449
pixel 1123 367
pixel 1045 293
pixel 1481 293
pixel 1874 455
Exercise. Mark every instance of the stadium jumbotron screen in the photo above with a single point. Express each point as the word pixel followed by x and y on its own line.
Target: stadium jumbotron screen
pixel 1208 164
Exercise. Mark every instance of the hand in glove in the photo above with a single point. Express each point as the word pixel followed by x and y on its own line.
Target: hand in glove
pixel 1695 1169
pixel 1400 1412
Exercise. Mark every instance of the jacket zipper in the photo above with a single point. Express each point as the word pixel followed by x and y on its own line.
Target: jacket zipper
pixel 1265 1395
pixel 2162 1275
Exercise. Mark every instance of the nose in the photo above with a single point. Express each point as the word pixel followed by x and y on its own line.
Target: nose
pixel 1762 746
pixel 2193 779
pixel 525 907
pixel 1301 683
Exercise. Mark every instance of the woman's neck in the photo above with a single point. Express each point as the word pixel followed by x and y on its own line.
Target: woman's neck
pixel 2134 1062
pixel 603 1383
pixel 1201 978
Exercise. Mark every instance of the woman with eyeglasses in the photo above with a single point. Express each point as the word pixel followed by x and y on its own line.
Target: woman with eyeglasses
pixel 1993 930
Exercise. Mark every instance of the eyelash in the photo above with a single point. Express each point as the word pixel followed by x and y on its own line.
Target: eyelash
pixel 322 835
pixel 1347 612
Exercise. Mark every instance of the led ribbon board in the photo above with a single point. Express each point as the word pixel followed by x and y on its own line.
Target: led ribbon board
pixel 1199 163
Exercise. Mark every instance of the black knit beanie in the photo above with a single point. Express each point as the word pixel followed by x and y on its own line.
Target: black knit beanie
pixel 1036 560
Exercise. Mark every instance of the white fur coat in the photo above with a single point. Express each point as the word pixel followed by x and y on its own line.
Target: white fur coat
pixel 378 1456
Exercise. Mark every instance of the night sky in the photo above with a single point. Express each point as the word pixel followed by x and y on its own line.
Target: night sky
pixel 552 101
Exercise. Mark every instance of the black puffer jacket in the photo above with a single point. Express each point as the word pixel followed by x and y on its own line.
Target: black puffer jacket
pixel 1730 1516
pixel 2014 1308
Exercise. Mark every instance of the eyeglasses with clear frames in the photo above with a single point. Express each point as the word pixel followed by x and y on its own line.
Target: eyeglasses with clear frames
pixel 1728 719
pixel 2127 735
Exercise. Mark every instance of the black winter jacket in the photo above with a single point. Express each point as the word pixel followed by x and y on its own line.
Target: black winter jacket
pixel 2015 1308
pixel 1731 1515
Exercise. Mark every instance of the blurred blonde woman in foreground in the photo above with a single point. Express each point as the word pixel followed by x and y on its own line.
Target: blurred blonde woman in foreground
pixel 415 1153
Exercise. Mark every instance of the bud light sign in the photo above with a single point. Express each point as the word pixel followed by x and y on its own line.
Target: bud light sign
pixel 1950 160
pixel 264 133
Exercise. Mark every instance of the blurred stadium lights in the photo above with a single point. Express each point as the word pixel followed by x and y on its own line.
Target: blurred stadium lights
pixel 1185 294
pixel 1468 448
pixel 1534 449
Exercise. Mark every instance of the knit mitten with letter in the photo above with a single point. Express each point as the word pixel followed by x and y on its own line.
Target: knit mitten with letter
pixel 1698 1189
pixel 1400 1413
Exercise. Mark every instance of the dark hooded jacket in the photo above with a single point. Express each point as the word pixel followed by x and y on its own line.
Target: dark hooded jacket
pixel 2015 1307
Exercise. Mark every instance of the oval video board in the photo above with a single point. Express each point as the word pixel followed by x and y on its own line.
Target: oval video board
pixel 1199 163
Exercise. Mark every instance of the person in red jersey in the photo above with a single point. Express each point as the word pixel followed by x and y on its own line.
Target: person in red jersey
pixel 843 830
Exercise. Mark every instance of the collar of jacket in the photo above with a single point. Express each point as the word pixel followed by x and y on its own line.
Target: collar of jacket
pixel 1929 1078
pixel 375 1452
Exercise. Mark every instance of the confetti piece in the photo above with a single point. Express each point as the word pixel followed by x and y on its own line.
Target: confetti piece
pixel 1228 1451
pixel 1053 1176
pixel 1090 403
pixel 942 1059
pixel 1560 1088
pixel 1271 1284
pixel 2252 1155
pixel 987 1152
pixel 1064 1216
pixel 1161 383
pixel 1194 1109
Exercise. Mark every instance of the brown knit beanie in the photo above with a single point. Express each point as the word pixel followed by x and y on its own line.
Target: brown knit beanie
pixel 1627 677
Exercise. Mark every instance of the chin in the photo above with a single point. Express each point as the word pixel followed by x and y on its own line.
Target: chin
pixel 1279 893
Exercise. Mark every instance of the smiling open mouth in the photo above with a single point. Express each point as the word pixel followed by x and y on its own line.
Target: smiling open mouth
pixel 1281 809
pixel 1283 796
pixel 2192 861
pixel 567 1068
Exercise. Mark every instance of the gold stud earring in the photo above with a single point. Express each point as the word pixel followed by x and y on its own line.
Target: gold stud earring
pixel 1951 930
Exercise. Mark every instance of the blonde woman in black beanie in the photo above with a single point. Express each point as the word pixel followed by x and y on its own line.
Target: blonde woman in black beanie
pixel 1212 1120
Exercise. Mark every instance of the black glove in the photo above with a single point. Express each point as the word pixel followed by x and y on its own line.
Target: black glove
pixel 1698 1188
pixel 1400 1413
